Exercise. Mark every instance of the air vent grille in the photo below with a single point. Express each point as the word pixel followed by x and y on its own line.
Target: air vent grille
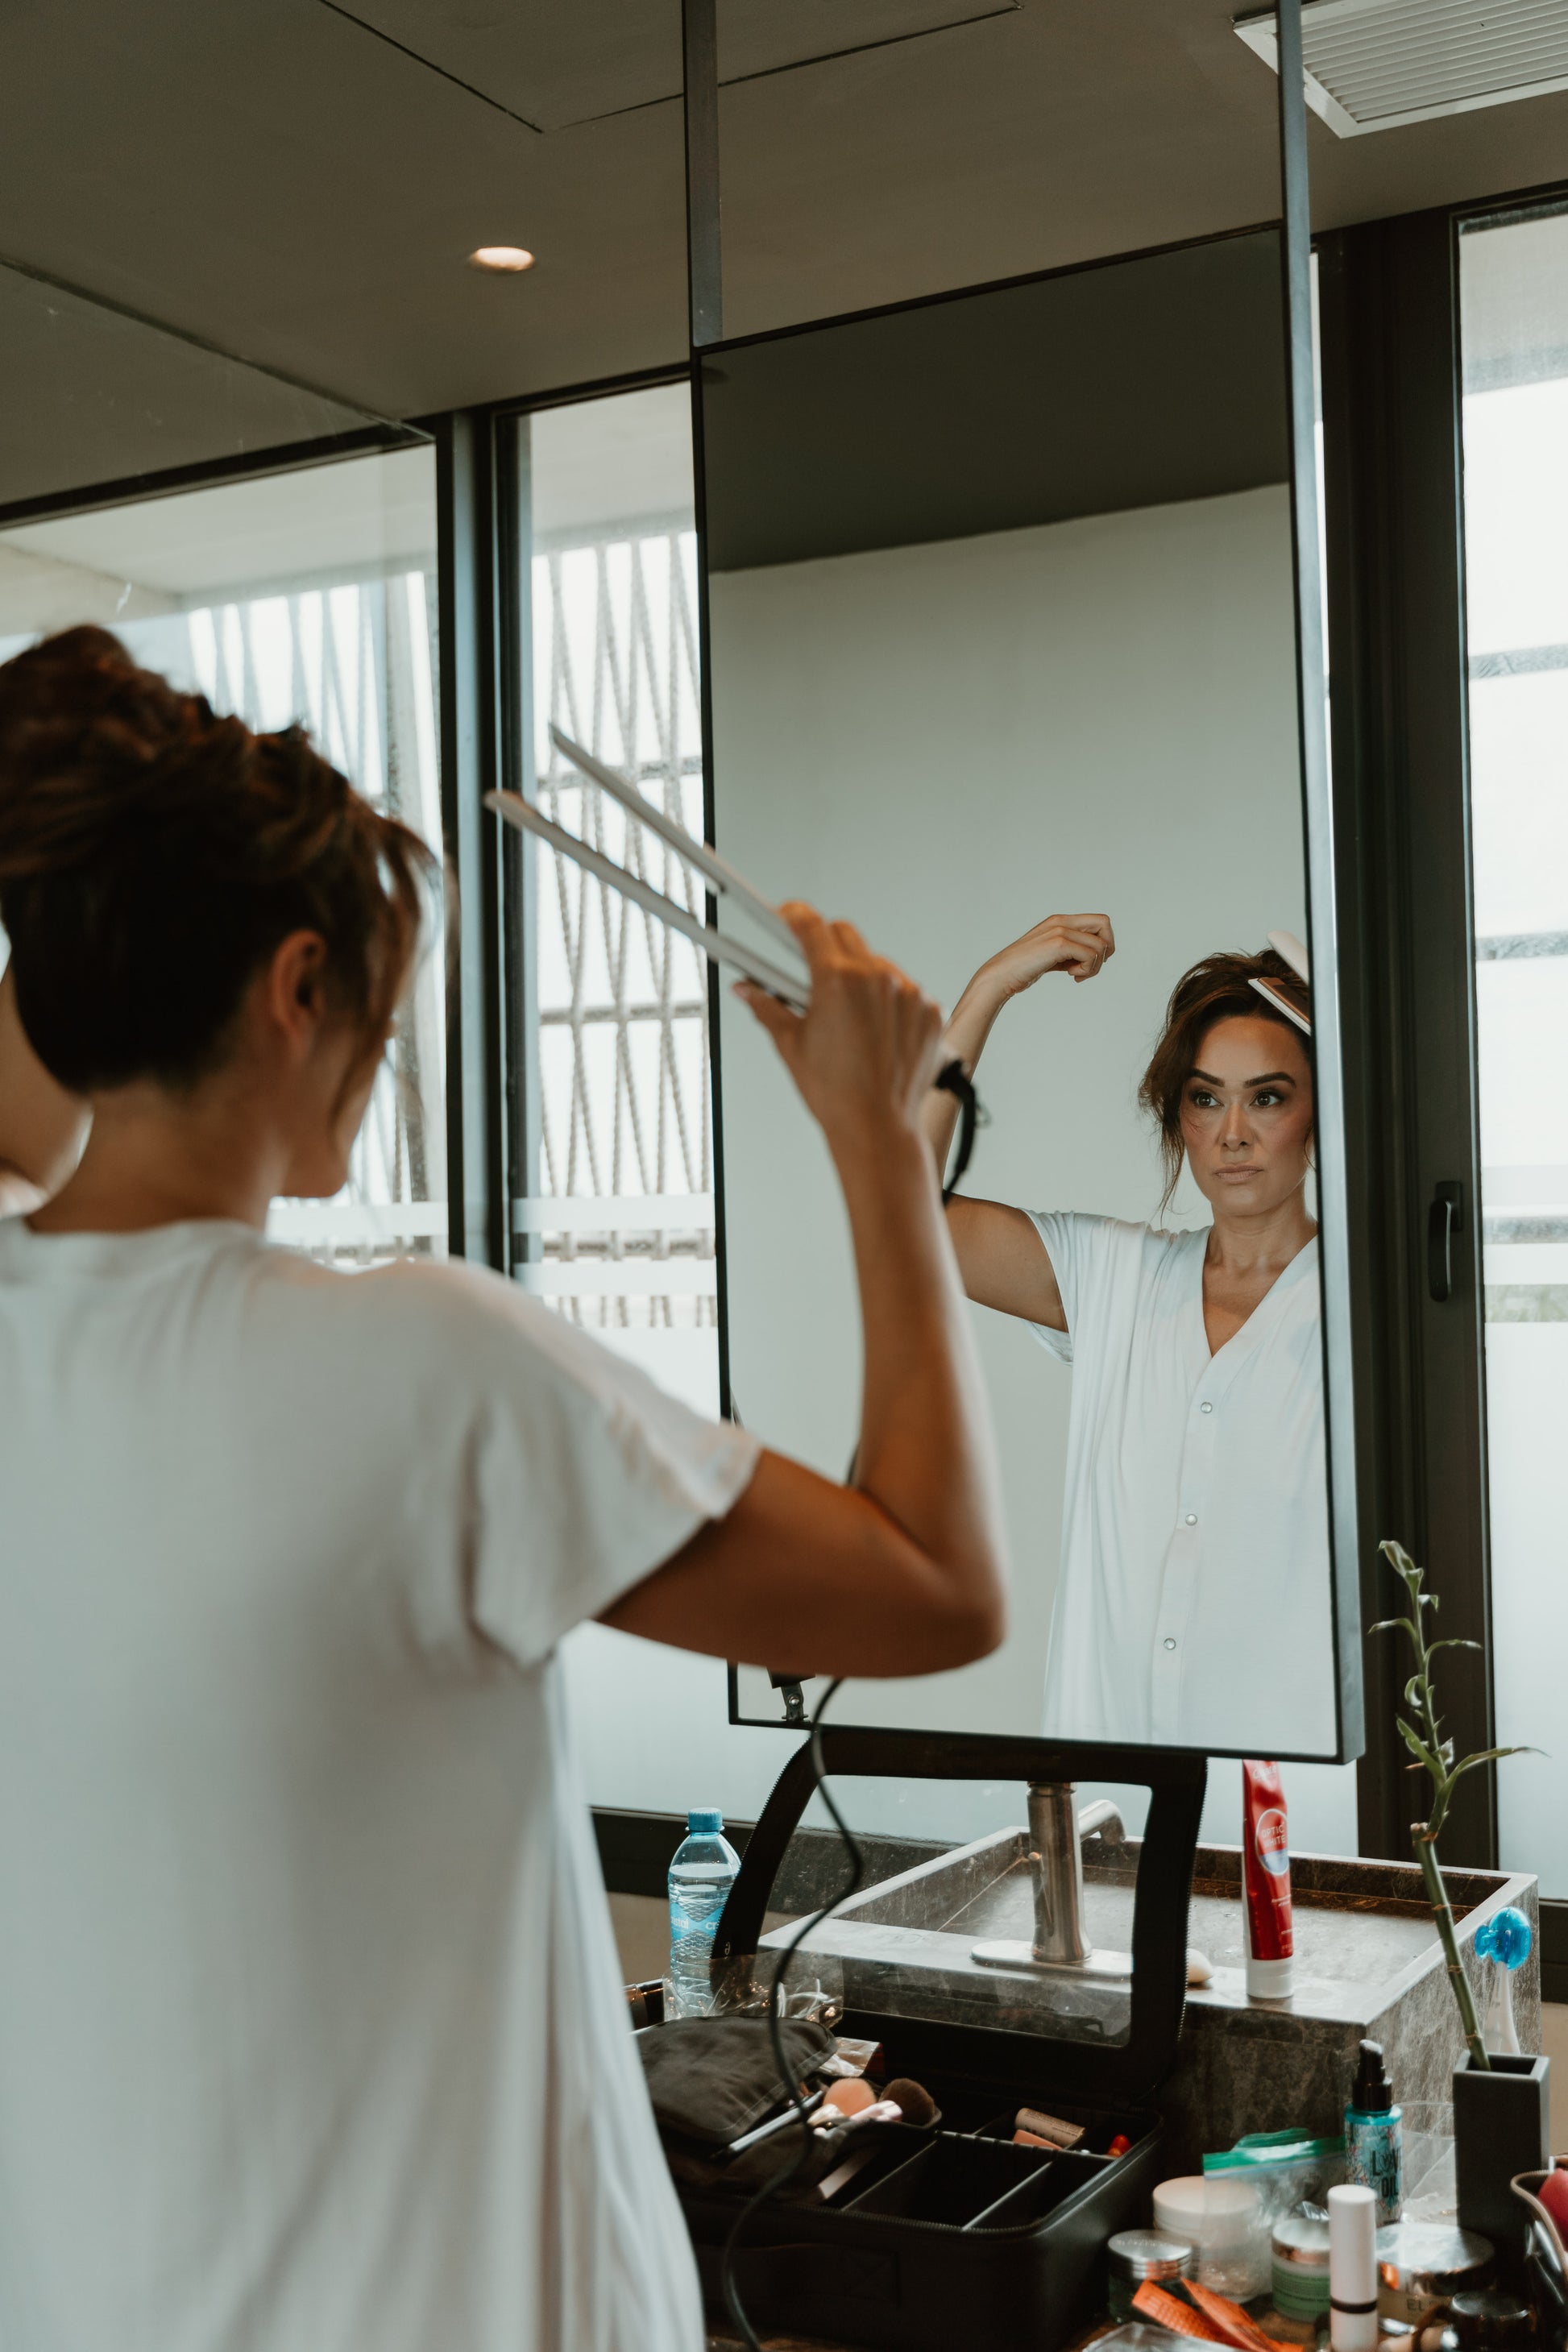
pixel 1373 64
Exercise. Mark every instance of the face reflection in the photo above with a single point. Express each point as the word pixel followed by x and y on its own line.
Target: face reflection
pixel 1246 1116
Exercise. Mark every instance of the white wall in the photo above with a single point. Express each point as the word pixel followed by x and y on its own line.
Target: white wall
pixel 946 742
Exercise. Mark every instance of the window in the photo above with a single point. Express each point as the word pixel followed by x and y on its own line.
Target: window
pixel 1514 297
pixel 618 1219
pixel 306 596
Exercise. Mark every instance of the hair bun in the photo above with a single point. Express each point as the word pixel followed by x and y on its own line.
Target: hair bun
pixel 90 742
pixel 152 854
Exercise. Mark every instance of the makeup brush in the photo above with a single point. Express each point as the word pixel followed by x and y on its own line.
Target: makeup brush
pixel 914 2103
pixel 903 2102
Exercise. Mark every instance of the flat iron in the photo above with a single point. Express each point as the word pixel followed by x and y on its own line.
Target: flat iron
pixel 1292 997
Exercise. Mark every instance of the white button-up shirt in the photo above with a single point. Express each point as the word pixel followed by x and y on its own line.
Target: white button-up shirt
pixel 1193 1608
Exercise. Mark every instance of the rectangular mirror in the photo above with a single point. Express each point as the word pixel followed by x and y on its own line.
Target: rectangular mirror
pixel 1002 625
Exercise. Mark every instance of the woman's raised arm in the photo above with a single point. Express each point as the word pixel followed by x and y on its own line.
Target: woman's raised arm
pixel 902 1573
pixel 1001 1258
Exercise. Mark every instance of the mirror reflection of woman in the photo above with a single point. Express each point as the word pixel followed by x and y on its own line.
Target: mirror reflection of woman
pixel 1193 1605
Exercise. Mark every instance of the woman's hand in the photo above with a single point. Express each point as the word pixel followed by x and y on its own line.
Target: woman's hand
pixel 906 1575
pixel 1078 944
pixel 867 1052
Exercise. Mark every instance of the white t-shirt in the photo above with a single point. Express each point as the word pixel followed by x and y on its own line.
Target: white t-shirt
pixel 1194 1605
pixel 311 2037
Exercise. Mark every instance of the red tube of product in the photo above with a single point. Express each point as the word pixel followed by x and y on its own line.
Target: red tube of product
pixel 1266 1883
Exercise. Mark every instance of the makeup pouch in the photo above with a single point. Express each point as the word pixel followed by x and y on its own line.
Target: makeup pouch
pixel 712 2078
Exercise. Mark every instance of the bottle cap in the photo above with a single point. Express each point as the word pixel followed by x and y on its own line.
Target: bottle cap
pixel 1353 2246
pixel 1270 1979
pixel 1139 2254
pixel 1373 2092
pixel 702 1818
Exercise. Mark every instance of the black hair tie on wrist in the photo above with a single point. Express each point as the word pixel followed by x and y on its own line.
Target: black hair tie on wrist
pixel 955 1079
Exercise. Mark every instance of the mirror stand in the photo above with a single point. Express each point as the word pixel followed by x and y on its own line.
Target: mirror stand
pixel 1057 1831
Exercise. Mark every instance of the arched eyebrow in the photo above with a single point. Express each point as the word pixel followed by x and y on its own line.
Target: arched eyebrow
pixel 1269 1078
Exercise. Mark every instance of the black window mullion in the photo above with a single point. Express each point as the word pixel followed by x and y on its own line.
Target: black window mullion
pixel 518 852
pixel 470 756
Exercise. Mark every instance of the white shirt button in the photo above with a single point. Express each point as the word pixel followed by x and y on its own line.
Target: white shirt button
pixel 1192 1518
pixel 1170 1643
pixel 1205 1408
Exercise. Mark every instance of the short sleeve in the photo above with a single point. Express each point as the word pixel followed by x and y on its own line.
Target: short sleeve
pixel 1065 1237
pixel 580 1474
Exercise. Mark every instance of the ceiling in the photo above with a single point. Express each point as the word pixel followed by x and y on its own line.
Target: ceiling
pixel 621 464
pixel 298 181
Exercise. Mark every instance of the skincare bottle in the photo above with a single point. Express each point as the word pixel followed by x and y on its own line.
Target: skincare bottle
pixel 1375 2153
pixel 1266 1883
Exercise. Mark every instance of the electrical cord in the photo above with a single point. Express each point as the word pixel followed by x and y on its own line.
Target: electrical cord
pixel 780 2180
pixel 955 1079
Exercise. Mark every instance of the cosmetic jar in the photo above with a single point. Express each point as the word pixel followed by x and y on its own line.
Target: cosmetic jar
pixel 1300 2261
pixel 1223 2221
pixel 1140 2255
pixel 1482 2322
pixel 1421 2264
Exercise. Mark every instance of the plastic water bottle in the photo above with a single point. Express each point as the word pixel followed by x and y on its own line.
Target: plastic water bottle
pixel 701 1877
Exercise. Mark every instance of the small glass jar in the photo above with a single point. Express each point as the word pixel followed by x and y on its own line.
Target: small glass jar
pixel 1482 2322
pixel 1300 2268
pixel 1140 2255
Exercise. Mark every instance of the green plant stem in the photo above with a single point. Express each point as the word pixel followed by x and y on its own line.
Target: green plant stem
pixel 1426 1845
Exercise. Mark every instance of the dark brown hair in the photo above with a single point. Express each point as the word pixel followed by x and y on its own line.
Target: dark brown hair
pixel 1218 989
pixel 152 856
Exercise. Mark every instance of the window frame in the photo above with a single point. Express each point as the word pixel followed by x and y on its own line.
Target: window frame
pixel 1393 399
pixel 484 559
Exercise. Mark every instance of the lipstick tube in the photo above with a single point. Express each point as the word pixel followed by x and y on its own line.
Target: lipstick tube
pixel 1353 2270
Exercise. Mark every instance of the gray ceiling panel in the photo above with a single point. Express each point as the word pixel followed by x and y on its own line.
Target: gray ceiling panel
pixel 554 65
pixel 88 395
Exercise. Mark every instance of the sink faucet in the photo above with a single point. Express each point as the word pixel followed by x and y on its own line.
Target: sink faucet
pixel 1057 1831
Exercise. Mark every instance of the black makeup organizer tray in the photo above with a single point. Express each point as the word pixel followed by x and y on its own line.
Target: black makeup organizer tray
pixel 956 2237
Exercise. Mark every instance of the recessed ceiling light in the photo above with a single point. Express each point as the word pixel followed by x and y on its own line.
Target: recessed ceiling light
pixel 506 258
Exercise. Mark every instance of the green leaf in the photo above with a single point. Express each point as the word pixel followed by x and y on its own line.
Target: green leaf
pixel 1417 1746
pixel 1414 1692
pixel 1493 1756
pixel 1452 1642
pixel 1393 1625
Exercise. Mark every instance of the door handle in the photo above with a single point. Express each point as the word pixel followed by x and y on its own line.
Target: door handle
pixel 1444 1218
